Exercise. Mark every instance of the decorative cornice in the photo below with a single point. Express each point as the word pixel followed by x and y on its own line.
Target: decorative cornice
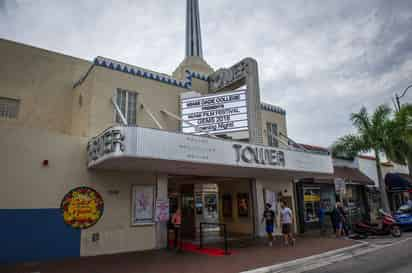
pixel 272 108
pixel 140 72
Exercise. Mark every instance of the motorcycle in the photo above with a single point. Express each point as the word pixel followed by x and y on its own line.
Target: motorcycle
pixel 387 226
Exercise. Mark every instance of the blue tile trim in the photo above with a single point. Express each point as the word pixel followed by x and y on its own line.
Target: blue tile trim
pixel 133 70
pixel 36 235
pixel 272 108
pixel 198 75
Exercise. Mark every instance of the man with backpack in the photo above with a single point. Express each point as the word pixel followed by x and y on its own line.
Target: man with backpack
pixel 269 216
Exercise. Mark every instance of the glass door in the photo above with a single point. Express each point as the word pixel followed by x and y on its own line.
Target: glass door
pixel 188 211
pixel 311 203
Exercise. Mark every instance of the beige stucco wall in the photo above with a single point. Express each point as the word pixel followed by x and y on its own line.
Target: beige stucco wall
pixel 27 184
pixel 277 118
pixel 200 86
pixel 192 63
pixel 101 85
pixel 43 81
pixel 81 107
pixel 236 224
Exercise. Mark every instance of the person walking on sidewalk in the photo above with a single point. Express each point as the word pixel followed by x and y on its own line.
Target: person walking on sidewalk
pixel 269 216
pixel 286 219
pixel 177 222
pixel 342 212
pixel 321 216
pixel 339 218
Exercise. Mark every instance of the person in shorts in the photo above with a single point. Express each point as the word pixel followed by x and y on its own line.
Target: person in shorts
pixel 321 216
pixel 269 217
pixel 286 219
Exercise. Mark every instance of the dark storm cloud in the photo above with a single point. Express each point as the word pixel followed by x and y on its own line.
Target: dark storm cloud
pixel 320 60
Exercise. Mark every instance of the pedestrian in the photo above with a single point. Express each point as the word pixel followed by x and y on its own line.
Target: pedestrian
pixel 338 220
pixel 333 218
pixel 269 216
pixel 321 216
pixel 177 222
pixel 286 219
pixel 344 219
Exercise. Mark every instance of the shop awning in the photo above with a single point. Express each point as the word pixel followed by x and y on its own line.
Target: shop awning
pixel 396 182
pixel 352 175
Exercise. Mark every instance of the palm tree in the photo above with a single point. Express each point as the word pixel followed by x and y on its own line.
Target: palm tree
pixel 400 145
pixel 372 135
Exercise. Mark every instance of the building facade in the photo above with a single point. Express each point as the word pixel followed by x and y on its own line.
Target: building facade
pixel 97 156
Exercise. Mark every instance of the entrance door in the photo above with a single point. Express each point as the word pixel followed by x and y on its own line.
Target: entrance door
pixel 311 200
pixel 188 228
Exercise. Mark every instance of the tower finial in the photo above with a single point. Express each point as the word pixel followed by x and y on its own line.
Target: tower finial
pixel 193 34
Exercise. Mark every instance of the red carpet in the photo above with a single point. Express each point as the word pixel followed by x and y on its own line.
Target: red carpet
pixel 205 250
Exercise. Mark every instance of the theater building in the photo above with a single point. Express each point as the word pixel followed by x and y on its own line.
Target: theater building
pixel 97 154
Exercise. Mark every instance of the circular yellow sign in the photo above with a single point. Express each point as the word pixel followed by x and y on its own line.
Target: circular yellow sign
pixel 82 207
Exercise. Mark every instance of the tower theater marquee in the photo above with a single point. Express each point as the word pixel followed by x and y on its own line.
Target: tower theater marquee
pixel 131 143
pixel 214 114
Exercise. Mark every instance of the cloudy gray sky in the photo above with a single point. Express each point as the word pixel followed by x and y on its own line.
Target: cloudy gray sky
pixel 320 60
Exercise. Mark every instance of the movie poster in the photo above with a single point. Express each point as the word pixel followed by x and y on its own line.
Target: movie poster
pixel 243 204
pixel 142 204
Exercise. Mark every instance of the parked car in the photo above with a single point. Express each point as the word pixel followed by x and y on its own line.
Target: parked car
pixel 403 217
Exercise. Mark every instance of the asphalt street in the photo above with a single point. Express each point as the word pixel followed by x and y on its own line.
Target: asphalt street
pixel 396 257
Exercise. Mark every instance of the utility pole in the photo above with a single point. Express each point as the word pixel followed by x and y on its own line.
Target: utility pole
pixel 397 97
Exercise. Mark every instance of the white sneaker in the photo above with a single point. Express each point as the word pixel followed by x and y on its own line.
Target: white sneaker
pixel 270 243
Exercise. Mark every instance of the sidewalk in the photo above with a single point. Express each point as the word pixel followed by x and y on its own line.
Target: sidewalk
pixel 244 258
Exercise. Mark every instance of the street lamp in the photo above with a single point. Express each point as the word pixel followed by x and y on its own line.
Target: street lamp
pixel 397 97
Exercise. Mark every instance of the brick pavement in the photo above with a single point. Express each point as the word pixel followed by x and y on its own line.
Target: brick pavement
pixel 247 257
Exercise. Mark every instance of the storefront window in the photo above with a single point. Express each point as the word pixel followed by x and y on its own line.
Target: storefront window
pixel 311 199
pixel 199 203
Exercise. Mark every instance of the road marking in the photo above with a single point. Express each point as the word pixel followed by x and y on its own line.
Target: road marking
pixel 317 261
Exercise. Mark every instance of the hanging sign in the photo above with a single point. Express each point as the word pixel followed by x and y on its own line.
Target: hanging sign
pixel 340 186
pixel 82 207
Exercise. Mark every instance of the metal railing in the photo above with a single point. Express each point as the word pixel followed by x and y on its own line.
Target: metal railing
pixel 224 235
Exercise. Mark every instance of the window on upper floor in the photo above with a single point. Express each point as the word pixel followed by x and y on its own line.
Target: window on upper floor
pixel 272 133
pixel 127 102
pixel 9 108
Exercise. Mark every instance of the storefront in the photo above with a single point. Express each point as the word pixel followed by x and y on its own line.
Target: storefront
pixel 354 196
pixel 347 185
pixel 311 194
pixel 399 188
pixel 212 180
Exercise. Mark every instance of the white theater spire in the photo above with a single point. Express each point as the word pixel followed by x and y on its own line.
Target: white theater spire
pixel 193 34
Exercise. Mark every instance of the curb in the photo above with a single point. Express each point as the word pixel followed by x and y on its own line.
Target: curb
pixel 275 267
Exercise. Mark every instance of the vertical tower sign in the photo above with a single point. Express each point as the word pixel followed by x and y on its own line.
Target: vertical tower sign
pixel 193 34
pixel 243 73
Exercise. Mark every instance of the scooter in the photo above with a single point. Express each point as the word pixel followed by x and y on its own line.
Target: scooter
pixel 386 227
